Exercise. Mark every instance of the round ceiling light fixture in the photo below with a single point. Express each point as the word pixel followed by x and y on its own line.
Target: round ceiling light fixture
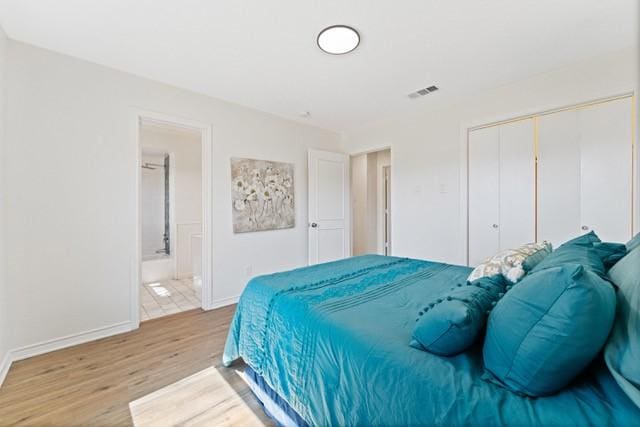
pixel 338 39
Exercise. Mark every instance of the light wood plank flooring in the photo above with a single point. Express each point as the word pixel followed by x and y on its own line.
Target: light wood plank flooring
pixel 168 372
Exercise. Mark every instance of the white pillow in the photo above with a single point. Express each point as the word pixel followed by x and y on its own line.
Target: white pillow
pixel 508 262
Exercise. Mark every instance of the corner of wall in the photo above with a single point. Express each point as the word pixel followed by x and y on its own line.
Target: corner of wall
pixel 5 364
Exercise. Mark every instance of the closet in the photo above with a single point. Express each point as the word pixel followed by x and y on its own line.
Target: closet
pixel 585 172
pixel 551 176
pixel 501 188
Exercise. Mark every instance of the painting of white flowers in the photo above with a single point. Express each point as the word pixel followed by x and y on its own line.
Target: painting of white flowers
pixel 262 195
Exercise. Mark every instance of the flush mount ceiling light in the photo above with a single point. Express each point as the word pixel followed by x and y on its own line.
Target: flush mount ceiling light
pixel 338 39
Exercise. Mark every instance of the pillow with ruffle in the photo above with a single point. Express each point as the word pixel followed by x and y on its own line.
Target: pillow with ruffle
pixel 511 262
pixel 451 323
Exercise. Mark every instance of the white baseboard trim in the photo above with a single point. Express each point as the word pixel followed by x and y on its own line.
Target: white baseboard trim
pixel 81 338
pixel 60 343
pixel 5 364
pixel 69 341
pixel 217 303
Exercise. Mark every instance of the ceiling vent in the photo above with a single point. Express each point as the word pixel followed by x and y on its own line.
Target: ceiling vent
pixel 422 92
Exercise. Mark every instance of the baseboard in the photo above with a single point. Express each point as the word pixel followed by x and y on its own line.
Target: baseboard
pixel 5 364
pixel 58 344
pixel 69 340
pixel 223 302
pixel 80 338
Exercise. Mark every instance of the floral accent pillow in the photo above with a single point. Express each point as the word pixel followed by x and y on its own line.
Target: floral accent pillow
pixel 510 262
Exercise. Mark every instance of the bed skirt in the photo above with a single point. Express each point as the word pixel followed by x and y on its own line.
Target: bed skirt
pixel 274 406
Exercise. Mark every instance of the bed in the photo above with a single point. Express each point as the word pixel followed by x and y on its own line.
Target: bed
pixel 331 341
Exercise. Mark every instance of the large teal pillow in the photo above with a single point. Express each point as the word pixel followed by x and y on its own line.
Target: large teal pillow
pixel 547 329
pixel 610 253
pixel 450 324
pixel 622 352
pixel 585 240
pixel 586 256
pixel 633 243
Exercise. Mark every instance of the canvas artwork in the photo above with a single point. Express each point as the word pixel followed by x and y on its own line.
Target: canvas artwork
pixel 262 195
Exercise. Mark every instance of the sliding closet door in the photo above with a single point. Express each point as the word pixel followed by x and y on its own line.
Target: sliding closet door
pixel 484 184
pixel 517 184
pixel 585 172
pixel 605 169
pixel 558 177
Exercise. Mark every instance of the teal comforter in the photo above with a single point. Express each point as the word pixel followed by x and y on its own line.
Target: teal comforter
pixel 332 340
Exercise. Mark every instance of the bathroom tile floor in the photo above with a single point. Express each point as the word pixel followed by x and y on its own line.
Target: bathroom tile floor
pixel 167 297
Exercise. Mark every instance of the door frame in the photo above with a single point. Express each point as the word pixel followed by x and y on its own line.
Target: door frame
pixel 137 116
pixel 382 215
pixel 379 184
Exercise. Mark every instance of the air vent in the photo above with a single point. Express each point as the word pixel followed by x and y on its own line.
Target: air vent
pixel 422 92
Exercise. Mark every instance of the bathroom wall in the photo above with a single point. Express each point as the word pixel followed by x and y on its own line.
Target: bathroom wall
pixel 185 176
pixel 155 266
pixel 152 206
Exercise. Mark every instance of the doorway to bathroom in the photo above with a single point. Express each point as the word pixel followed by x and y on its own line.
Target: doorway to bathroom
pixel 171 218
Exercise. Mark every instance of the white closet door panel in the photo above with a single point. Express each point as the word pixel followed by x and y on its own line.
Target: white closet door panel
pixel 558 177
pixel 517 184
pixel 606 169
pixel 484 185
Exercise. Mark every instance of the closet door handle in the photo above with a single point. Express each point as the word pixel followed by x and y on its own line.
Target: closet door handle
pixel 495 225
pixel 584 228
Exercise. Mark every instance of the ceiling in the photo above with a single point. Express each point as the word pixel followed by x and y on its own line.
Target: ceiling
pixel 263 54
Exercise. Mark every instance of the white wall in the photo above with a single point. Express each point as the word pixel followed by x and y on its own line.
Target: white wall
pixel 383 158
pixel 358 204
pixel 371 235
pixel 70 194
pixel 427 189
pixel 4 324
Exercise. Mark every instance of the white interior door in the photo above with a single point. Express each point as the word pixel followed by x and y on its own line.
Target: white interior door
pixel 606 169
pixel 329 231
pixel 484 194
pixel 517 184
pixel 558 177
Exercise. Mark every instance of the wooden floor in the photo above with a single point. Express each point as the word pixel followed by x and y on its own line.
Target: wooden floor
pixel 169 362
